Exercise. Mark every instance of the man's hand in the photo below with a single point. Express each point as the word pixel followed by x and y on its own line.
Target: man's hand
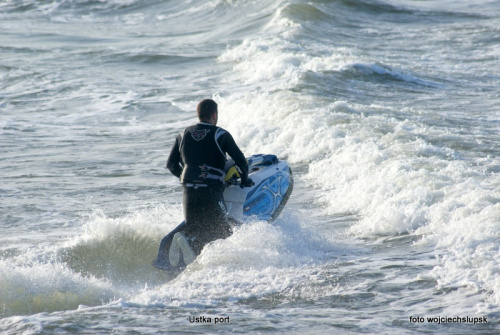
pixel 248 183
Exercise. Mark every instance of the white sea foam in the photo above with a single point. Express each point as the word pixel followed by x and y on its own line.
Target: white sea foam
pixel 47 287
pixel 259 259
pixel 102 261
pixel 277 62
pixel 363 161
pixel 395 180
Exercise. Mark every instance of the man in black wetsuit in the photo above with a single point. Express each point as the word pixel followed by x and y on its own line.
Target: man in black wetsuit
pixel 198 158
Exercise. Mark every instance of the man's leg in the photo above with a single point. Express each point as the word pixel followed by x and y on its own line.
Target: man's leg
pixel 206 215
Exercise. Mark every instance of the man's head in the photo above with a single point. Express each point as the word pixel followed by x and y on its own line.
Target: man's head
pixel 207 111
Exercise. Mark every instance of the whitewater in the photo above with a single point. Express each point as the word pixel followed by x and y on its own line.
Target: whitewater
pixel 387 112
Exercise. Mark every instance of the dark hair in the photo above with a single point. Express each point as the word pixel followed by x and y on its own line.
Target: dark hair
pixel 205 109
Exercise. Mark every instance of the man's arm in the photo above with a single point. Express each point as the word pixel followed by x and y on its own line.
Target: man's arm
pixel 234 151
pixel 174 159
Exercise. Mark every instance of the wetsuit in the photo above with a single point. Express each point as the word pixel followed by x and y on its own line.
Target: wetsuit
pixel 198 158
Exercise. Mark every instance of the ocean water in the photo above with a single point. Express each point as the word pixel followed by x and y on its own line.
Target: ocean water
pixel 387 112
